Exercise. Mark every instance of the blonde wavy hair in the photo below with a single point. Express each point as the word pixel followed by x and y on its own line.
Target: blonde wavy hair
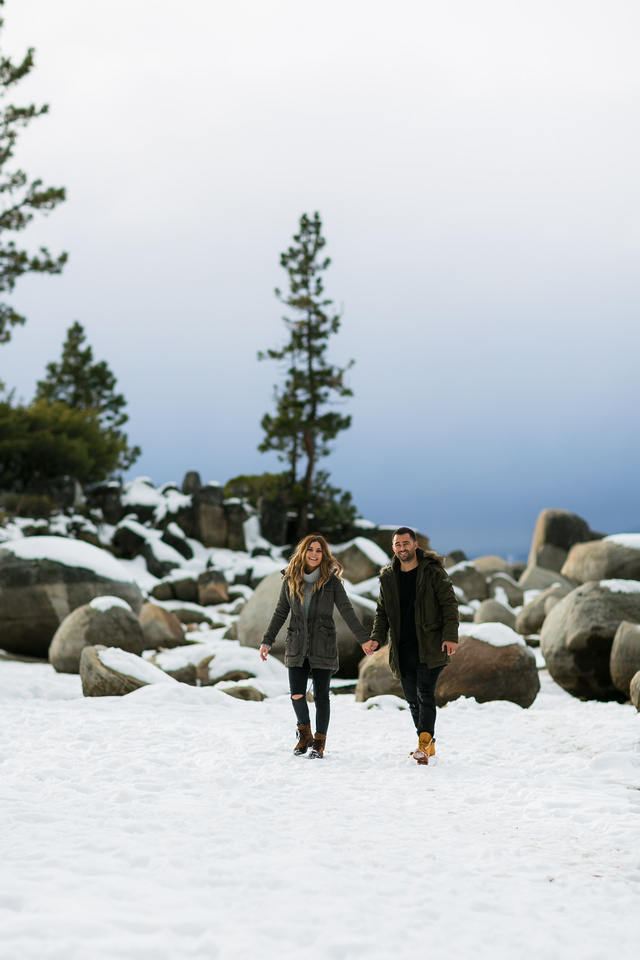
pixel 295 570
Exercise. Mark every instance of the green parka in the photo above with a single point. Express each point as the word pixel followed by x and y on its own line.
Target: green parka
pixel 436 611
pixel 313 637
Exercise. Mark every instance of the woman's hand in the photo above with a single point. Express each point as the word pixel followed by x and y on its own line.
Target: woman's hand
pixel 370 647
pixel 264 651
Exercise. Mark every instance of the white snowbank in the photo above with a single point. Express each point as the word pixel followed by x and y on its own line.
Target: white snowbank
pixel 133 666
pixel 630 540
pixel 621 586
pixel 141 493
pixel 167 824
pixel 106 603
pixel 497 634
pixel 270 676
pixel 71 553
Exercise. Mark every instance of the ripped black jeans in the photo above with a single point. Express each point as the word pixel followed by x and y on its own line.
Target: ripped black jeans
pixel 298 679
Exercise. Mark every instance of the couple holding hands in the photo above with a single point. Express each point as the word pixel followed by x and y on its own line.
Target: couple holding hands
pixel 417 614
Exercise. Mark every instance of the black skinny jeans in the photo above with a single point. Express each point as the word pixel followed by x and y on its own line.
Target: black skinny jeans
pixel 419 687
pixel 298 678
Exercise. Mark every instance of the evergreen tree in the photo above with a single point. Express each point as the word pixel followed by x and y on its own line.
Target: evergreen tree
pixel 48 440
pixel 84 385
pixel 22 198
pixel 302 426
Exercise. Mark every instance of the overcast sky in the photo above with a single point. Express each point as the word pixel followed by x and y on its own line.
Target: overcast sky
pixel 476 169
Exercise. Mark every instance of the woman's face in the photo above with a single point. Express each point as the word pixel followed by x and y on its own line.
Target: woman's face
pixel 313 556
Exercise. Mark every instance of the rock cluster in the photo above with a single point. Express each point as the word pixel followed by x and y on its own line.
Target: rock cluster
pixel 173 559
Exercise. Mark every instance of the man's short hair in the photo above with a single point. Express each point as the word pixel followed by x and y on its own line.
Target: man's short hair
pixel 412 533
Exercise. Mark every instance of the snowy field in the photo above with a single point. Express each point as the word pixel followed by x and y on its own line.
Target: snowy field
pixel 174 823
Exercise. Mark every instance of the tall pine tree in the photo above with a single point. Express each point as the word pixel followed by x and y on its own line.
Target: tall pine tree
pixel 84 385
pixel 21 198
pixel 302 427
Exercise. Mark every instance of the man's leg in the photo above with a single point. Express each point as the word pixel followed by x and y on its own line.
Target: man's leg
pixel 410 690
pixel 426 681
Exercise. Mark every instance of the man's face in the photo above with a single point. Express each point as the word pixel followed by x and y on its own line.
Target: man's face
pixel 404 547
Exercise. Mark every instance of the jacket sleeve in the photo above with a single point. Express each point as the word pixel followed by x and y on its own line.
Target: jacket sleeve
pixel 347 612
pixel 448 606
pixel 280 614
pixel 380 630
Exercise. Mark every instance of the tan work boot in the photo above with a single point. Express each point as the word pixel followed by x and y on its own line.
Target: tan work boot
pixel 305 739
pixel 317 747
pixel 426 748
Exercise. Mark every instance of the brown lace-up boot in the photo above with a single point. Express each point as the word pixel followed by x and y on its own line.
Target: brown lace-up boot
pixel 317 746
pixel 426 748
pixel 305 739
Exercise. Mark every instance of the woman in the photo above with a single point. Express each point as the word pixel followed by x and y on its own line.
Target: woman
pixel 312 586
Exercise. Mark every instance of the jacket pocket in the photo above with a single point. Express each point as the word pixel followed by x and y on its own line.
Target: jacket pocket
pixel 326 638
pixel 295 638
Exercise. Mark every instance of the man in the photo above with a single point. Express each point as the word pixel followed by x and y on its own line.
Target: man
pixel 418 611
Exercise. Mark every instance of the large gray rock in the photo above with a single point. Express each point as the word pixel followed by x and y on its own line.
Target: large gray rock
pixel 210 516
pixel 160 627
pixel 634 691
pixel 486 672
pixel 472 583
pixel 100 681
pixel 555 533
pixel 88 626
pixel 491 611
pixel 236 515
pixel 625 656
pixel 577 636
pixel 490 564
pixel 539 578
pixel 530 619
pixel 257 613
pixel 375 678
pixel 602 560
pixel 43 579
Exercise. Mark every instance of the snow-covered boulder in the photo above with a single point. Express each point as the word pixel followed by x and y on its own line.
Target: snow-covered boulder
pixel 106 621
pixel 361 559
pixel 491 611
pixel 577 636
pixel 114 672
pixel 530 619
pixel 502 583
pixel 375 677
pixel 491 663
pixel 555 533
pixel 160 627
pixel 616 557
pixel 43 579
pixel 624 662
pixel 257 612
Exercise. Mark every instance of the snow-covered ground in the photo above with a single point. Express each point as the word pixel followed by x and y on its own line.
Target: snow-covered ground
pixel 175 824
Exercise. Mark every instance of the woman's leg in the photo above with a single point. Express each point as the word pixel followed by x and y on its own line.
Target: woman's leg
pixel 321 684
pixel 298 677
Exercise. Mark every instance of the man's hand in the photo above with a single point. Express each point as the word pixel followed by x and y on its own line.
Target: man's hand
pixel 264 651
pixel 449 646
pixel 370 646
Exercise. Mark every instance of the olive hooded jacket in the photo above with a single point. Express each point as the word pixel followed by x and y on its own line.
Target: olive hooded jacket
pixel 313 637
pixel 436 611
